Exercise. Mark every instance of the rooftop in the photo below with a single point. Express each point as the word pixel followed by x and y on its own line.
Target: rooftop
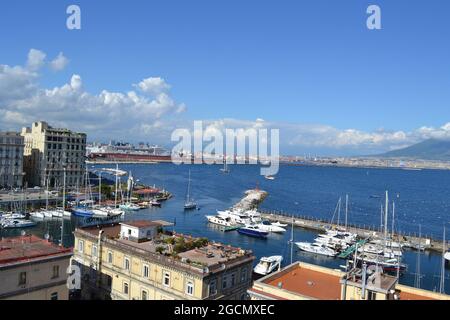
pixel 307 281
pixel 179 249
pixel 28 248
pixel 145 223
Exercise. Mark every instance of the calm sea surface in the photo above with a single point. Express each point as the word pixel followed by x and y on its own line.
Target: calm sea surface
pixel 422 197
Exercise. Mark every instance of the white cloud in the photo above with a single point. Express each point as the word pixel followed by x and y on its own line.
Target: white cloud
pixel 59 63
pixel 154 86
pixel 36 59
pixel 105 114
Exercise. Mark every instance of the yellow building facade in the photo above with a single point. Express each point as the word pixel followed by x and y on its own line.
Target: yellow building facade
pixel 122 270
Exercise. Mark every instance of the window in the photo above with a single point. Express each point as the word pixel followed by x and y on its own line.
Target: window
pixel 371 295
pixel 190 288
pixel 22 278
pixel 126 264
pixel 144 295
pixel 110 257
pixel 224 282
pixel 81 246
pixel 233 279
pixel 166 279
pixel 213 287
pixel 55 272
pixel 54 296
pixel 244 274
pixel 145 271
pixel 94 250
pixel 125 288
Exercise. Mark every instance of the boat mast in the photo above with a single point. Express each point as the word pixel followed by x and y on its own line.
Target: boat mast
pixel 442 284
pixel 393 218
pixel 188 197
pixel 115 193
pixel 417 280
pixel 339 212
pixel 63 206
pixel 386 210
pixel 100 188
pixel 292 238
pixel 346 210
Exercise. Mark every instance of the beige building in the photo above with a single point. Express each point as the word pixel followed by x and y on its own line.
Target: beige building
pixel 138 261
pixel 33 269
pixel 11 160
pixel 303 281
pixel 48 150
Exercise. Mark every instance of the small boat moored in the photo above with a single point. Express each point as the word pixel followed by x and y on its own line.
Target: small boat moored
pixel 253 231
pixel 268 265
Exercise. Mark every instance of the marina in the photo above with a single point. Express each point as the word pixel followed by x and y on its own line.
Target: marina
pixel 212 199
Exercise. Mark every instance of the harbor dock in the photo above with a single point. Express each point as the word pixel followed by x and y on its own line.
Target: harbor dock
pixel 363 231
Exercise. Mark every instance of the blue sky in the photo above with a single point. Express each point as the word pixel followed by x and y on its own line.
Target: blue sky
pixel 288 62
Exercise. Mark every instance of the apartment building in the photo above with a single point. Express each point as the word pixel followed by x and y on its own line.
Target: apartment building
pixel 11 160
pixel 33 269
pixel 138 260
pixel 303 281
pixel 48 151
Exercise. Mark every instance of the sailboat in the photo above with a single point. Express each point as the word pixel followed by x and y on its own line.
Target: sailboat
pixel 84 210
pixel 129 206
pixel 189 204
pixel 225 166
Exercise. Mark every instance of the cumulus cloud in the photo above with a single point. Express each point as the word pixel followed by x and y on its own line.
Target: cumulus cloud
pixel 36 59
pixel 153 85
pixel 107 113
pixel 59 63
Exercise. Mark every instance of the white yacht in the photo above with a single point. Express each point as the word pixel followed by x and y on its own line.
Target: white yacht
pixel 268 265
pixel 235 217
pixel 225 222
pixel 267 226
pixel 279 224
pixel 316 248
pixel 447 256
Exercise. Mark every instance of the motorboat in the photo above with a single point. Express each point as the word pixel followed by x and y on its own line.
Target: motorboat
pixel 253 231
pixel 371 248
pixel 16 223
pixel 268 265
pixel 235 217
pixel 447 256
pixel 269 177
pixel 130 206
pixel 278 224
pixel 226 222
pixel 316 248
pixel 255 216
pixel 267 226
pixel 155 203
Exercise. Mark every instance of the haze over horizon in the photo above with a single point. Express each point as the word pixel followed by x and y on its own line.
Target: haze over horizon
pixel 311 69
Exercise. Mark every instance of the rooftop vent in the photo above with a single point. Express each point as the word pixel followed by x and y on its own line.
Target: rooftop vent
pixel 310 283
